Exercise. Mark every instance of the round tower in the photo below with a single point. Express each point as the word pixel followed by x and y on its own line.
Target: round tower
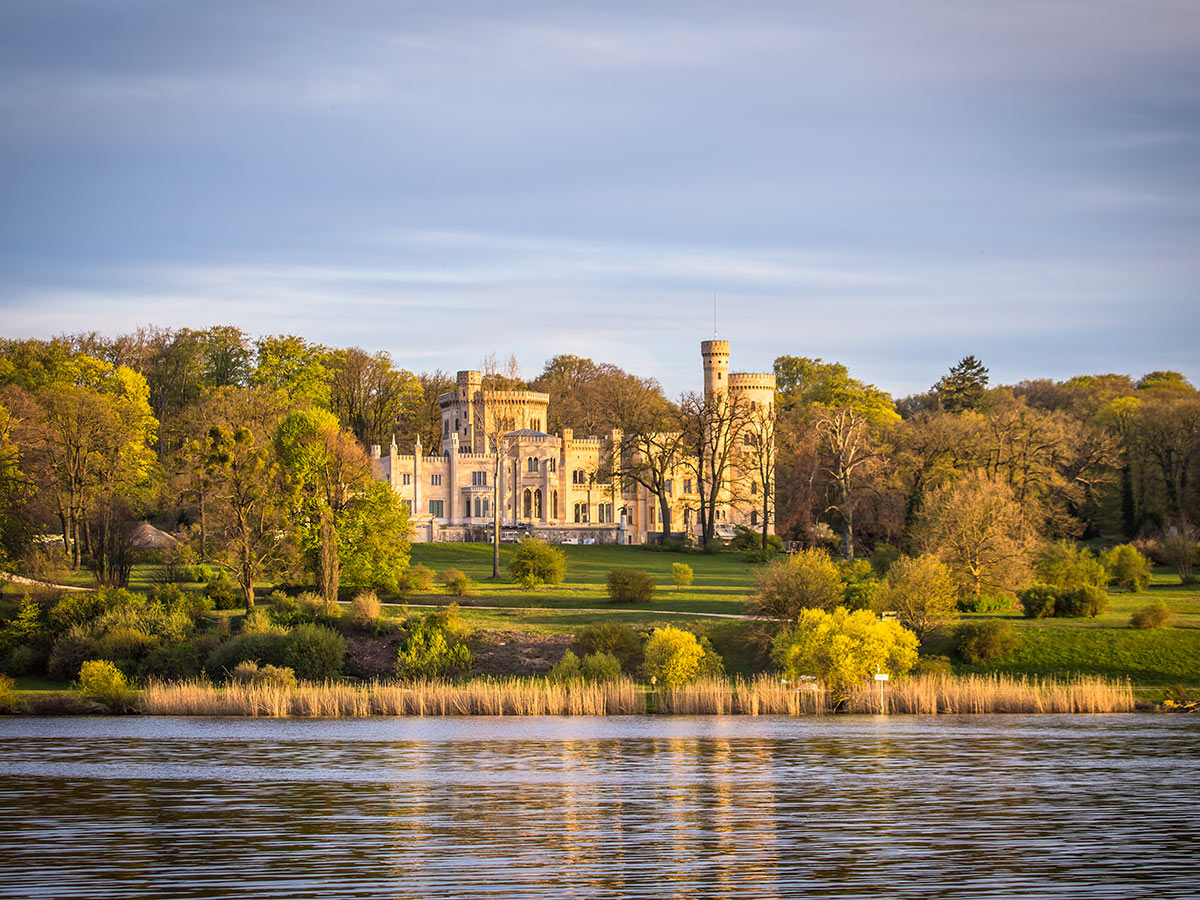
pixel 716 366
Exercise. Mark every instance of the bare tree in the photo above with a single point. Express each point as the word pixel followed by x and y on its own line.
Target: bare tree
pixel 846 439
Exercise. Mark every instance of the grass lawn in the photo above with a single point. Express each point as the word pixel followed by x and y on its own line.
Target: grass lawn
pixel 722 580
pixel 1106 645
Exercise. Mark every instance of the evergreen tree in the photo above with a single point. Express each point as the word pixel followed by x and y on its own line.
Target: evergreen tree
pixel 963 387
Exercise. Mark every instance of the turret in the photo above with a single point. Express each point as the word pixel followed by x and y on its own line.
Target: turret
pixel 716 366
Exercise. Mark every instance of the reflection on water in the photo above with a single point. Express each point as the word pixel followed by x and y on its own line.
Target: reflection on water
pixel 997 806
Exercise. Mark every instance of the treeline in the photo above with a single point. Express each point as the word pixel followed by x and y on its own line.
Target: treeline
pixel 187 426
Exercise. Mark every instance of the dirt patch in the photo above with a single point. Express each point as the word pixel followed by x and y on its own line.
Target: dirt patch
pixel 517 652
pixel 371 656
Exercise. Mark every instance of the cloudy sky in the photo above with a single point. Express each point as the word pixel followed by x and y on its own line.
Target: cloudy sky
pixel 890 183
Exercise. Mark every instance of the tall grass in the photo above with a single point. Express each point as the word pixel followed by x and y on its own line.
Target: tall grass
pixel 480 697
pixel 761 696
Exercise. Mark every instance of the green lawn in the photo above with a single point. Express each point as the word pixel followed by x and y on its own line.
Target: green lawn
pixel 722 580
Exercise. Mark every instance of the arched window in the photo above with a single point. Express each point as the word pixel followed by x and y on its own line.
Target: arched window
pixel 554 505
pixel 532 464
pixel 528 506
pixel 537 504
pixel 754 517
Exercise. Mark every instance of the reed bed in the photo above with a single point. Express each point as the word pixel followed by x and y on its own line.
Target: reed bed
pixel 480 697
pixel 968 694
pixel 761 696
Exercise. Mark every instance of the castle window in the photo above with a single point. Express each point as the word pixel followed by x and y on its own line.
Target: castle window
pixel 551 464
pixel 485 507
pixel 687 485
pixel 435 480
pixel 457 424
pixel 536 424
pixel 479 479
pixel 651 512
pixel 554 505
pixel 435 508
pixel 406 478
pixel 528 505
pixel 670 488
pixel 578 477
pixel 446 427
pixel 532 464
pixel 754 487
pixel 754 517
pixel 537 504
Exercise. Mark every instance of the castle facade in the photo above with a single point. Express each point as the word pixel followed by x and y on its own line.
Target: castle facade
pixel 495 452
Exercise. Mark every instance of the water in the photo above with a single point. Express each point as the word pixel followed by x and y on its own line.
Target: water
pixel 989 806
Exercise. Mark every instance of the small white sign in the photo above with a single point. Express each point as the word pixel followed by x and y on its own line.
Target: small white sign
pixel 881 677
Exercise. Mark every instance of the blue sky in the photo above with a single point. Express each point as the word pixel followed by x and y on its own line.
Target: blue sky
pixel 892 185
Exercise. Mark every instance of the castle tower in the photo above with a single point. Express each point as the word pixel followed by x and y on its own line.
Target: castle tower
pixel 716 366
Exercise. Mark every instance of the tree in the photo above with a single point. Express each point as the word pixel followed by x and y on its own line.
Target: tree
pixel 921 592
pixel 16 489
pixel 711 425
pixel 843 649
pixel 805 580
pixel 294 366
pixel 1127 567
pixel 583 392
pixel 1067 564
pixel 249 502
pixel 758 460
pixel 373 539
pixel 653 446
pixel 328 473
pixel 368 395
pixel 850 452
pixel 672 656
pixel 963 387
pixel 978 530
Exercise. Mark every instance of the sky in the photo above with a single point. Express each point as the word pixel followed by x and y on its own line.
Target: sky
pixel 891 185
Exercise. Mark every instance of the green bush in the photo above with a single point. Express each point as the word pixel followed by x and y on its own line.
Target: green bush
pixel 430 649
pixel 103 682
pixel 979 642
pixel 933 665
pixel 70 652
pixel 1038 601
pixel 1066 564
pixel 713 546
pixel 223 593
pixel 809 579
pixel 631 586
pixel 24 660
pixel 1081 600
pixel 711 663
pixel 314 652
pixel 172 661
pixel 567 667
pixel 746 539
pixel 263 676
pixel 682 575
pixel 985 603
pixel 261 648
pixel 1127 568
pixel 882 558
pixel 536 563
pixel 421 577
pixel 618 640
pixel 600 667
pixel 456 582
pixel 1154 615
pixel 8 697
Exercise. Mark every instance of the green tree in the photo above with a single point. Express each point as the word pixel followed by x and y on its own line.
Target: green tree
pixel 373 539
pixel 681 575
pixel 1066 564
pixel 921 591
pixel 672 656
pixel 368 394
pixel 294 366
pixel 842 649
pixel 1127 567
pixel 963 387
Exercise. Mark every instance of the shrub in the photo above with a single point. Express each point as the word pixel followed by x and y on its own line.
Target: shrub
pixel 882 558
pixel 843 648
pixel 258 622
pixel 978 642
pixel 223 593
pixel 610 637
pixel 69 653
pixel 631 586
pixel 535 563
pixel 682 575
pixel 1154 615
pixel 1127 567
pixel 1066 564
pixel 566 668
pixel 8 699
pixel 921 591
pixel 713 546
pixel 429 649
pixel 457 582
pixel 365 609
pixel 985 603
pixel 600 667
pixel 672 656
pixel 103 682
pixel 809 579
pixel 266 676
pixel 746 539
pixel 933 665
pixel 1038 601
pixel 1081 600
pixel 314 652
pixel 1178 549
pixel 23 660
pixel 421 577
pixel 175 661
pixel 711 663
pixel 261 648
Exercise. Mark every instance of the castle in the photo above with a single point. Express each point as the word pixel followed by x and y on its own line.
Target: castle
pixel 494 450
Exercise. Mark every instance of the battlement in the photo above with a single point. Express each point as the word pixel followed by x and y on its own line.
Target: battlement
pixel 766 380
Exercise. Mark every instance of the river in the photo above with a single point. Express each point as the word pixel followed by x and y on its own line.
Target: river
pixel 845 806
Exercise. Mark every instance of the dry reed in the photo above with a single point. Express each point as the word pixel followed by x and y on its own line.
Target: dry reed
pixel 761 696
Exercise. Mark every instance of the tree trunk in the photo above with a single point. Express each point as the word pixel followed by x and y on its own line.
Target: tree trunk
pixel 330 564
